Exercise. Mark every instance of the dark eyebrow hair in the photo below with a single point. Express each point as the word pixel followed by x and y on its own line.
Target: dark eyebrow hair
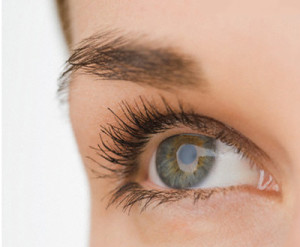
pixel 111 56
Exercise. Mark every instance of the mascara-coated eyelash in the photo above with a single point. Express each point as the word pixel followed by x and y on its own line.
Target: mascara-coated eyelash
pixel 122 143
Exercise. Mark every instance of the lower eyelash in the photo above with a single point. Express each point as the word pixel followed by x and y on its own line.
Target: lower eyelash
pixel 131 193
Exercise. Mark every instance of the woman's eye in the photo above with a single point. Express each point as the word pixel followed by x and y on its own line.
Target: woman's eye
pixel 187 161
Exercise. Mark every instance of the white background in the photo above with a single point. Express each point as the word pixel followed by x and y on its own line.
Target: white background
pixel 45 194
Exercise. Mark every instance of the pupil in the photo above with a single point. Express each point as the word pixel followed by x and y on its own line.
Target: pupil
pixel 187 153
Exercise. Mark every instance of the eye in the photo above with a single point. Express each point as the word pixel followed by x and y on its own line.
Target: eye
pixel 185 165
pixel 187 161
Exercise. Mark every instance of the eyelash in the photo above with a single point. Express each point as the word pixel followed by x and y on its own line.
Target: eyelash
pixel 131 133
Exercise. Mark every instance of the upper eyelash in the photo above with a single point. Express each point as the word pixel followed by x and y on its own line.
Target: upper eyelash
pixel 129 135
pixel 133 129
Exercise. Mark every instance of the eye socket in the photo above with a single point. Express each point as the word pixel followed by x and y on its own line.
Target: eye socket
pixel 193 161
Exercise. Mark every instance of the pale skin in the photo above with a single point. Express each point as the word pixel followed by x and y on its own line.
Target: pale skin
pixel 249 52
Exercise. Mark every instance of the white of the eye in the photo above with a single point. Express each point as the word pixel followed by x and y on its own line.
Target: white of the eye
pixel 229 169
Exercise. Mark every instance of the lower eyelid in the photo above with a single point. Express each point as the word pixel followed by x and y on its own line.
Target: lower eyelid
pixel 149 198
pixel 217 200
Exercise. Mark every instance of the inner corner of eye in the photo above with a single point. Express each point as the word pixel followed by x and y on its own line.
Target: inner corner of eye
pixel 193 161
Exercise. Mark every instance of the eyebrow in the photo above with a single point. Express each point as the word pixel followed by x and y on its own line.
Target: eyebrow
pixel 111 56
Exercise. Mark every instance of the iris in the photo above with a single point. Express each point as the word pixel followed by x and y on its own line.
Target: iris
pixel 184 161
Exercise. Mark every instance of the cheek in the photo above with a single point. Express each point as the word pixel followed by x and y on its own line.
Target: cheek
pixel 249 219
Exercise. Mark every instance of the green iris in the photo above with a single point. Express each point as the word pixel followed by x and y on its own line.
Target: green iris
pixel 184 161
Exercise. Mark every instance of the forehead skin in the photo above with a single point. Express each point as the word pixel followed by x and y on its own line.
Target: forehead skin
pixel 250 54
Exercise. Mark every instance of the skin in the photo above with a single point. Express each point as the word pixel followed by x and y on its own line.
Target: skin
pixel 250 54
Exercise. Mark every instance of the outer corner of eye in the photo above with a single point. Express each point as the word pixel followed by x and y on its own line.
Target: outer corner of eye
pixel 194 161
